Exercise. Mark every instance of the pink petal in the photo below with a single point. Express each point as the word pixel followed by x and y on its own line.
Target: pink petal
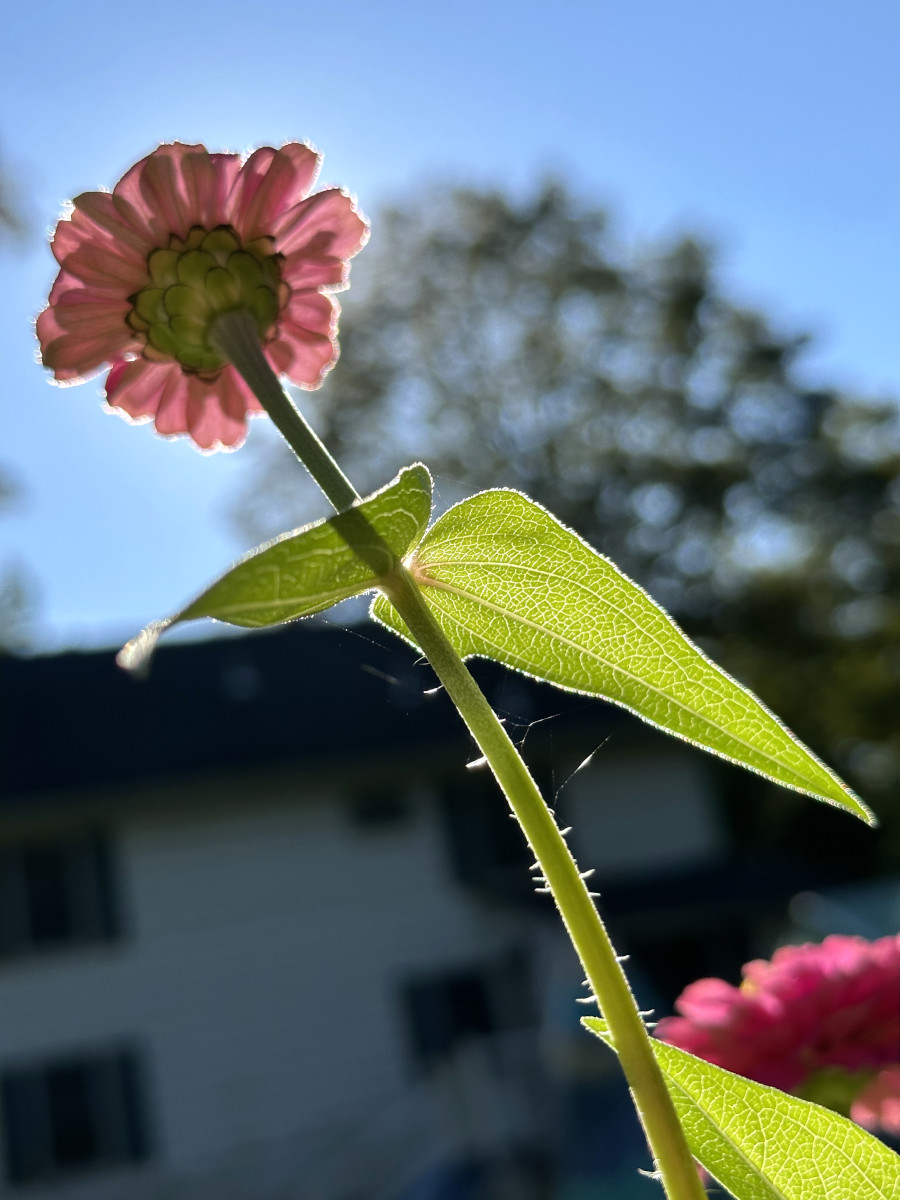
pixel 156 191
pixel 98 265
pixel 708 1001
pixel 326 223
pixel 313 312
pixel 307 162
pixel 136 387
pixel 239 393
pixel 216 413
pixel 66 285
pixel 305 348
pixel 74 356
pixel 85 316
pixel 271 182
pixel 878 1104
pixel 303 271
pixel 96 217
pixel 304 357
pixel 208 180
pixel 162 185
pixel 171 411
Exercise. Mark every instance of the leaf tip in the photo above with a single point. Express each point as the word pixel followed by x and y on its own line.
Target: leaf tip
pixel 135 655
pixel 847 799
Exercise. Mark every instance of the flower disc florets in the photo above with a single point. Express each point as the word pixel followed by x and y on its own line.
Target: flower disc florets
pixel 184 238
pixel 197 279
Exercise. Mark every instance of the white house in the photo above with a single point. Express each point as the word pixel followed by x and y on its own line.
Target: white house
pixel 262 935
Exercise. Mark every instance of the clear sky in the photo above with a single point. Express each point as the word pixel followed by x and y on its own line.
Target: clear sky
pixel 772 126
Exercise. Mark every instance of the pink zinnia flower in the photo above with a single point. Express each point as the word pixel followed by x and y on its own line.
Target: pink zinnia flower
pixel 878 1104
pixel 814 1015
pixel 185 237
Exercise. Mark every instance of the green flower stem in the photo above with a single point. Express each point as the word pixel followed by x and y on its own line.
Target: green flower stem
pixel 237 338
pixel 235 335
pixel 582 921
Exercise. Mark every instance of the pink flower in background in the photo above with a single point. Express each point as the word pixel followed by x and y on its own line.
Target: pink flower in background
pixel 814 1013
pixel 878 1104
pixel 185 237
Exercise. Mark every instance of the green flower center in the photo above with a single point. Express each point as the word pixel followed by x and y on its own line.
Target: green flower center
pixel 193 281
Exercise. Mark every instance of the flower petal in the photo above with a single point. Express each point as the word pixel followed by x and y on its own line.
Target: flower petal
pixel 171 411
pixel 156 190
pixel 313 312
pixel 878 1104
pixel 303 271
pixel 82 312
pixel 304 357
pixel 208 180
pixel 75 356
pixel 216 412
pixel 326 223
pixel 271 183
pixel 95 216
pixel 100 266
pixel 305 348
pixel 136 387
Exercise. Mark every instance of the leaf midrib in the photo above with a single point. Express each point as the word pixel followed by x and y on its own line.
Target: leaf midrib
pixel 757 1171
pixel 786 1116
pixel 465 595
pixel 315 597
pixel 576 583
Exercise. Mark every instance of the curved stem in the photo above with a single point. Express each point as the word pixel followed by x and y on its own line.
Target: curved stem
pixel 237 337
pixel 576 907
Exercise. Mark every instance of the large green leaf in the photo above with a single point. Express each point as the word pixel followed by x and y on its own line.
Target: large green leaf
pixel 507 581
pixel 762 1144
pixel 310 569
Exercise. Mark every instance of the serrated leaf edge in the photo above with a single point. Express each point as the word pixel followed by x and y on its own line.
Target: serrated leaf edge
pixel 420 568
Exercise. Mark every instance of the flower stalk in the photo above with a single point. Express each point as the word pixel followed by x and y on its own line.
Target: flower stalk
pixel 236 336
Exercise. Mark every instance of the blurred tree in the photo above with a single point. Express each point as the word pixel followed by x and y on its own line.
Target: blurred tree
pixel 12 222
pixel 16 589
pixel 17 592
pixel 517 343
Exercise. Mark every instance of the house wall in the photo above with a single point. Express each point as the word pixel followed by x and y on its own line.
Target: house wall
pixel 633 813
pixel 259 975
pixel 266 937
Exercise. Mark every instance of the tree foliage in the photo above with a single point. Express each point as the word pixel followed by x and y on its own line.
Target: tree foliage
pixel 17 592
pixel 515 342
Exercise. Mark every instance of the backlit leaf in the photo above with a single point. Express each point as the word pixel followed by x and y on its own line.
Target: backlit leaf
pixel 762 1144
pixel 310 569
pixel 507 581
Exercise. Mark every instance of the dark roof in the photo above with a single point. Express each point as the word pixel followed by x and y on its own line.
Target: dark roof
pixel 306 692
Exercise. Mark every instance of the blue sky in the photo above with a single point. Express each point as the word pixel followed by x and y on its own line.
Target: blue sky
pixel 772 127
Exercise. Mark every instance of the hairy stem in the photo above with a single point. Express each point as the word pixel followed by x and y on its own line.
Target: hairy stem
pixel 237 337
pixel 580 917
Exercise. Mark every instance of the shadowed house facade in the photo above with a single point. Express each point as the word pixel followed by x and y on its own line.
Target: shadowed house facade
pixel 262 934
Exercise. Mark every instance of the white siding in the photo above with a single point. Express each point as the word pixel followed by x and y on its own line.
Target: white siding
pixel 264 1064
pixel 266 939
pixel 639 816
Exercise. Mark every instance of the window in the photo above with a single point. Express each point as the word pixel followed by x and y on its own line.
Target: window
pixel 447 1010
pixel 70 1115
pixel 55 894
pixel 487 849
